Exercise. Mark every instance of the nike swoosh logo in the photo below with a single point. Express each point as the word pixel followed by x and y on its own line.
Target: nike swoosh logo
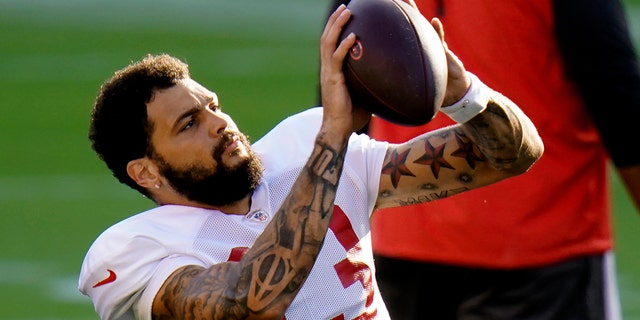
pixel 109 279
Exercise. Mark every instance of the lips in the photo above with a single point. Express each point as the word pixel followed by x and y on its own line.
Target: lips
pixel 232 144
pixel 229 145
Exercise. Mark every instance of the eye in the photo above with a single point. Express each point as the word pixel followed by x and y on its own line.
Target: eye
pixel 191 123
pixel 214 107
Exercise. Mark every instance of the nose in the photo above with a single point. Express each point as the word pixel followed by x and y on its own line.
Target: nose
pixel 218 122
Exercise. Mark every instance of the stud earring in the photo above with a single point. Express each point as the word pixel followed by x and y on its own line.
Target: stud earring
pixel 157 186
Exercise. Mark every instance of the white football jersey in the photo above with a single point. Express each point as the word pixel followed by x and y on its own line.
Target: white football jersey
pixel 128 263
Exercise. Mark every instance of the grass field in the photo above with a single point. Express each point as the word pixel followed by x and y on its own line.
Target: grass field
pixel 55 196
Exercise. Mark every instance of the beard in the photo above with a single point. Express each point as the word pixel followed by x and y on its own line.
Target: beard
pixel 217 187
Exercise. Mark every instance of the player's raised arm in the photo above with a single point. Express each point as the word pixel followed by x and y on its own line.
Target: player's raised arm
pixel 265 281
pixel 492 141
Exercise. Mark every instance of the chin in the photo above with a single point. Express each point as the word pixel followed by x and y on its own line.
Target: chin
pixel 236 159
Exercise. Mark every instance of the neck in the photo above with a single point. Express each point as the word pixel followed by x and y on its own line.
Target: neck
pixel 240 207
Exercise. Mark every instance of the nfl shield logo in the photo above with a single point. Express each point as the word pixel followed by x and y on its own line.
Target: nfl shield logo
pixel 259 216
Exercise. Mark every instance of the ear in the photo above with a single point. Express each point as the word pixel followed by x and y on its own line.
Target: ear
pixel 144 172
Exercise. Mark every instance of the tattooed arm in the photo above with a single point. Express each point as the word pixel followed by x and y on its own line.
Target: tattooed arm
pixel 265 281
pixel 497 143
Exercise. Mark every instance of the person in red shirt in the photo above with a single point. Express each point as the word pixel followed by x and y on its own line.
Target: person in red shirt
pixel 537 246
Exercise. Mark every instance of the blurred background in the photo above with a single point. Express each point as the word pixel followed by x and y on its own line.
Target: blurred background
pixel 261 57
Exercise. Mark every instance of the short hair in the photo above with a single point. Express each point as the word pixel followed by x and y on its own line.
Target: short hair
pixel 120 130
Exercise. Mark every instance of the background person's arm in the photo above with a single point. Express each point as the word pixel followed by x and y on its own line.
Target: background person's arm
pixel 600 58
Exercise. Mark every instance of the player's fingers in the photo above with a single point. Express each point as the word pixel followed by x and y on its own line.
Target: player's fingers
pixel 344 47
pixel 336 27
pixel 457 79
pixel 454 64
pixel 437 25
pixel 331 23
pixel 332 52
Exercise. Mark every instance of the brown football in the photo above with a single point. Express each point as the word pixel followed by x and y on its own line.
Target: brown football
pixel 397 69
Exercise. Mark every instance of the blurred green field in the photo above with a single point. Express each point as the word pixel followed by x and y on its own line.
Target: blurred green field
pixel 56 197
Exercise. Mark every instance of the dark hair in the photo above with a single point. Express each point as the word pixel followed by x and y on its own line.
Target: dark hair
pixel 120 130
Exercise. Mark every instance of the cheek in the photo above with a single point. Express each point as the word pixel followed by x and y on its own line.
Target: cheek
pixel 188 155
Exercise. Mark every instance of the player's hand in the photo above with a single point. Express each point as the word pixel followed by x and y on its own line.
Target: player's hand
pixel 338 109
pixel 458 81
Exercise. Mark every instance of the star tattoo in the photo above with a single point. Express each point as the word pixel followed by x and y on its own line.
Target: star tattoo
pixel 466 151
pixel 396 167
pixel 434 157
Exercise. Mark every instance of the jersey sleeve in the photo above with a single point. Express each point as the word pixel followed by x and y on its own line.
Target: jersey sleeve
pixel 123 271
pixel 600 58
pixel 365 158
pixel 163 270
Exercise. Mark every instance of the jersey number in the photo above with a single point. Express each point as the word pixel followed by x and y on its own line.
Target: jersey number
pixel 351 270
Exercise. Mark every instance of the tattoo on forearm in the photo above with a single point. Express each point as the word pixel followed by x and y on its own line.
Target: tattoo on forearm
pixel 326 163
pixel 279 271
pixel 428 197
pixel 272 276
pixel 396 167
pixel 433 157
pixel 492 134
pixel 202 298
pixel 467 150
